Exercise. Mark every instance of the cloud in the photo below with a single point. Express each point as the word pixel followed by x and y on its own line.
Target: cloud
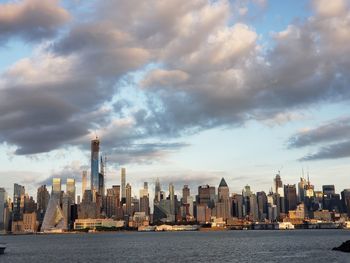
pixel 333 151
pixel 184 67
pixel 335 130
pixel 332 8
pixel 31 19
pixel 331 138
pixel 73 170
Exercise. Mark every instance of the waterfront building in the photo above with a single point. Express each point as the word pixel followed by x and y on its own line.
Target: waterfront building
pixel 139 219
pixel 94 177
pixel 30 223
pixel 163 212
pixel 54 219
pixel 89 223
pixel 70 190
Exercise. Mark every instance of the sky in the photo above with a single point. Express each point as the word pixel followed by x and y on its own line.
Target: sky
pixel 187 91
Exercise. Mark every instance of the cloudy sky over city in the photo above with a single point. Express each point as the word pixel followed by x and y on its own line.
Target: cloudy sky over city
pixel 187 91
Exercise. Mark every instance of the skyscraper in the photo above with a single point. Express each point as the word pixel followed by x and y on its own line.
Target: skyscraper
pixel 95 149
pixel 278 186
pixel 83 183
pixel 301 189
pixel 206 195
pixel 171 191
pixel 128 200
pixel 18 195
pixel 224 205
pixel 70 190
pixel 185 194
pixel 144 199
pixel 3 198
pixel 157 191
pixel 290 193
pixel 42 199
pixel 123 181
pixel 56 186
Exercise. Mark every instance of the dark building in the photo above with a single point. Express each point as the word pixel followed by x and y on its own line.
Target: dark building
pixel 262 205
pixel 290 193
pixel 206 195
pixel 42 199
pixel 237 206
pixel 95 149
pixel 345 198
pixel 18 194
pixel 331 200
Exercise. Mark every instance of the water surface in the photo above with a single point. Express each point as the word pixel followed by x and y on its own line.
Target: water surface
pixel 230 246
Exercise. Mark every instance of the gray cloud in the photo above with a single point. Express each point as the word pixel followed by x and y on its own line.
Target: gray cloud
pixel 333 151
pixel 335 130
pixel 31 19
pixel 202 73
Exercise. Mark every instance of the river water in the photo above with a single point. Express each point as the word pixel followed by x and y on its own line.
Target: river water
pixel 229 246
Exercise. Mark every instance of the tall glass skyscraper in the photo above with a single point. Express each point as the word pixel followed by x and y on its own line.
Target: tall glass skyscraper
pixel 123 180
pixel 95 148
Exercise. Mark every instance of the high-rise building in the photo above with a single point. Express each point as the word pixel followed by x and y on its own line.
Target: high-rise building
pixel 123 181
pixel 144 199
pixel 3 198
pixel 301 189
pixel 70 190
pixel 171 191
pixel 113 202
pixel 128 200
pixel 223 190
pixel 345 198
pixel 185 193
pixel 18 201
pixel 262 205
pixel 290 193
pixel 157 191
pixel 83 183
pixel 278 186
pixel 42 199
pixel 223 206
pixel 237 206
pixel 206 195
pixel 56 186
pixel 95 149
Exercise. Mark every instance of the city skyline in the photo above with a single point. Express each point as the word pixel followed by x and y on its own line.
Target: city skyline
pixel 235 89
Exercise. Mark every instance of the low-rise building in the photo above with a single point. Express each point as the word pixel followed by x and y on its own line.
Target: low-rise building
pixel 89 223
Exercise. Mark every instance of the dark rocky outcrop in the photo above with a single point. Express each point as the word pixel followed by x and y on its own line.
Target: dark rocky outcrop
pixel 345 247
